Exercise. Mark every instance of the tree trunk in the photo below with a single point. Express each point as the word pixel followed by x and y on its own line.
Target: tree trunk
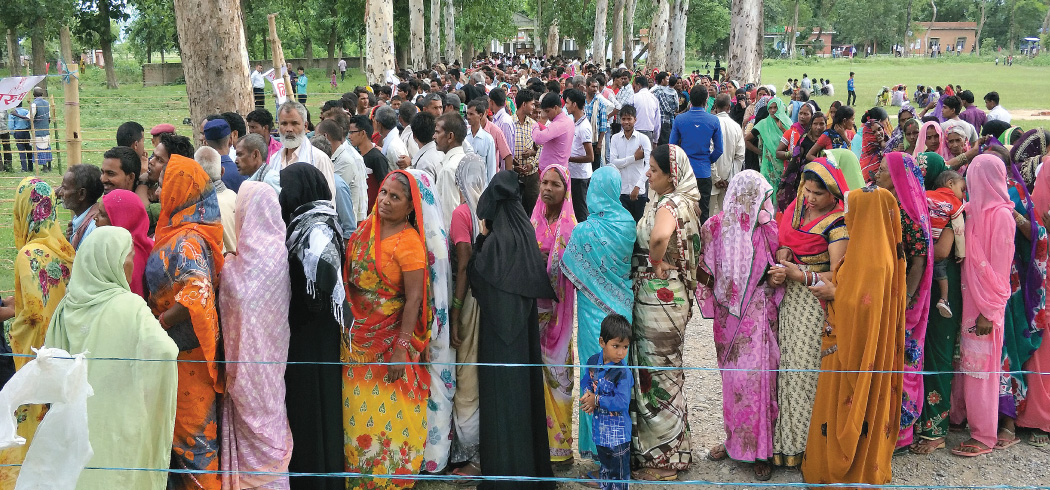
pixel 907 28
pixel 617 41
pixel 658 36
pixel 308 50
pixel 333 39
pixel 216 83
pixel 553 40
pixel 628 35
pixel 39 50
pixel 379 36
pixel 415 35
pixel 745 42
pixel 12 53
pixel 106 39
pixel 926 40
pixel 980 27
pixel 679 19
pixel 450 32
pixel 598 47
pixel 793 34
pixel 434 45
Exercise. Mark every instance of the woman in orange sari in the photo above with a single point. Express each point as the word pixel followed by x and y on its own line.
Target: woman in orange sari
pixel 41 270
pixel 856 418
pixel 181 276
pixel 385 407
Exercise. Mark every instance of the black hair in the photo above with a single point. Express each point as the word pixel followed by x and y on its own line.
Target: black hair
pixel 385 89
pixel 480 105
pixel 723 102
pixel 952 102
pixel 841 114
pixel 553 86
pixel 576 97
pixel 331 104
pixel 550 101
pixel 875 113
pixel 89 178
pixel 813 177
pixel 406 112
pixel 423 125
pixel 698 96
pixel 662 155
pixel 261 117
pixel 641 81
pixel 236 123
pixel 331 129
pixel 498 96
pixel 524 95
pixel 362 123
pixel 660 77
pixel 943 178
pixel 451 122
pixel 628 110
pixel 966 96
pixel 130 163
pixel 129 133
pixel 817 114
pixel 992 96
pixel 615 326
pixel 177 145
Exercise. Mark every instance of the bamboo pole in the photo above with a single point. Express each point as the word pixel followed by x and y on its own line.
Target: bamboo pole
pixel 71 111
pixel 278 56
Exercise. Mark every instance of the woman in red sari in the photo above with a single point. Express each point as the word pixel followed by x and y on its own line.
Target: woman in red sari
pixel 181 275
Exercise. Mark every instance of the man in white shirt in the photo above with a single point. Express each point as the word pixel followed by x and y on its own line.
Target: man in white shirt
pixel 732 159
pixel 449 133
pixel 252 163
pixel 581 155
pixel 404 116
pixel 393 147
pixel 291 121
pixel 996 112
pixel 258 87
pixel 500 117
pixel 647 107
pixel 629 152
pixel 211 162
pixel 348 164
pixel 428 158
pixel 342 72
pixel 479 139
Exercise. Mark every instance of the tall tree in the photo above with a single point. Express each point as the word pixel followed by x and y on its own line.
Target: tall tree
pixel 379 32
pixel 658 35
pixel 215 81
pixel 12 52
pixel 434 38
pixel 745 41
pixel 628 39
pixel 792 35
pixel 617 42
pixel 152 28
pixel 980 26
pixel 95 28
pixel 450 33
pixel 415 46
pixel 679 20
pixel 601 15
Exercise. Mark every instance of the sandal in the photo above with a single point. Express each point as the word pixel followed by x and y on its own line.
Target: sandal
pixel 927 446
pixel 589 480
pixel 467 479
pixel 763 471
pixel 1004 443
pixel 944 309
pixel 964 450
pixel 718 453
pixel 1039 438
pixel 647 474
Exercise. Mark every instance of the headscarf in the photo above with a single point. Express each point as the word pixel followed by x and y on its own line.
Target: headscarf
pixel 871 151
pixel 846 161
pixel 471 180
pixel 1028 152
pixel 770 134
pixel 100 317
pixel 124 209
pixel 1031 275
pixel 791 233
pixel 564 225
pixel 730 259
pixel 897 136
pixel 253 305
pixel 920 144
pixel 1041 194
pixel 314 235
pixel 598 257
pixel 509 259
pixel 1011 136
pixel 683 202
pixel 761 104
pixel 986 270
pixel 931 165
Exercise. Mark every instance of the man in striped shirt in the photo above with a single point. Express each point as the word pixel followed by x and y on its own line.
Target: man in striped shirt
pixel 525 161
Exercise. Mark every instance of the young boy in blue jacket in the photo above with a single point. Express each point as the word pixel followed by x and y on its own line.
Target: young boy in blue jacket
pixel 606 388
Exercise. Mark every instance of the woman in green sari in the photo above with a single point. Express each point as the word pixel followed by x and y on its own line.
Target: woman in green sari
pixel 768 133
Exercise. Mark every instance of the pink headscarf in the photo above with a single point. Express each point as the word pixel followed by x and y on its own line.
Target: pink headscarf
pixel 554 239
pixel 1041 194
pixel 986 271
pixel 942 148
pixel 125 209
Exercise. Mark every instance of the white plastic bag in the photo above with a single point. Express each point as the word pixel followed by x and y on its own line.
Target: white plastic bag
pixel 60 448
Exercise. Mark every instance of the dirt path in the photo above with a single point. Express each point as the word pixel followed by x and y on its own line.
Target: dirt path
pixel 1031 114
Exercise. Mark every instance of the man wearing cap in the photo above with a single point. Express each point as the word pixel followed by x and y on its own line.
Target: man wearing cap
pixel 159 130
pixel 217 136
pixel 291 120
pixel 258 86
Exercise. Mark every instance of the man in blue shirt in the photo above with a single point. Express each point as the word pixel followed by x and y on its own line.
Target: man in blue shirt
pixel 851 95
pixel 700 136
pixel 18 122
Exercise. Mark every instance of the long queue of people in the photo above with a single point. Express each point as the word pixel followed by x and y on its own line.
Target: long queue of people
pixel 435 331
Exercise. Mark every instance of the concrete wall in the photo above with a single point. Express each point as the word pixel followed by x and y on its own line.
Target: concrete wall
pixel 168 73
pixel 946 34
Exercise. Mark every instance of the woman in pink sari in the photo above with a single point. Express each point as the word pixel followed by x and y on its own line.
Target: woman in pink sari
pixel 253 304
pixel 124 208
pixel 932 139
pixel 899 175
pixel 1036 414
pixel 986 289
pixel 739 246
pixel 554 220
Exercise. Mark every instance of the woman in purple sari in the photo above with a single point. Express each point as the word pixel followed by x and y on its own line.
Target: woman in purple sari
pixel 739 246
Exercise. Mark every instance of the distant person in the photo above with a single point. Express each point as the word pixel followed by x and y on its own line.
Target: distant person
pixel 996 112
pixel 851 92
pixel 18 122
pixel 699 134
pixel 971 113
pixel 40 113
pixel 300 84
pixel 258 87
pixel 342 70
pixel 159 130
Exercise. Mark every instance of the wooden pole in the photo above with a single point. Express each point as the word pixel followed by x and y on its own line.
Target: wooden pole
pixel 71 111
pixel 278 56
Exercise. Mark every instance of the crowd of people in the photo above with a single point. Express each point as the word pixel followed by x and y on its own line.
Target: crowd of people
pixel 406 287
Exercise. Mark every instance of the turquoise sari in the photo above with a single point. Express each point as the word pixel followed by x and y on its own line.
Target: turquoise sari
pixel 598 262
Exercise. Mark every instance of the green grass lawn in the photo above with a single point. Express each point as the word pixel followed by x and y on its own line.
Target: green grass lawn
pixel 103 110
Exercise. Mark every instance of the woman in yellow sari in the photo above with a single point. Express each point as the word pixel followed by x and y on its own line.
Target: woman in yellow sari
pixel 41 274
pixel 856 418
pixel 385 406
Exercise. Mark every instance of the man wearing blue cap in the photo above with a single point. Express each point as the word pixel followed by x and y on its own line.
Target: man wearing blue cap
pixel 217 136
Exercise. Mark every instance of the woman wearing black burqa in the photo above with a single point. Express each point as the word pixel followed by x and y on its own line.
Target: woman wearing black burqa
pixel 507 274
pixel 313 396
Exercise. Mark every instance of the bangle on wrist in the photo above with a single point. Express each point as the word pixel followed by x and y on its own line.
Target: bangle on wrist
pixel 403 343
pixel 457 303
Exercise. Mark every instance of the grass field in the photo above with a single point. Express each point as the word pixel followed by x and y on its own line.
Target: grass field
pixel 103 110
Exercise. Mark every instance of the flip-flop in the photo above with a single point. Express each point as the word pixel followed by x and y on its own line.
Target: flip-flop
pixel 766 476
pixel 967 454
pixel 1006 443
pixel 1045 439
pixel 589 480
pixel 653 476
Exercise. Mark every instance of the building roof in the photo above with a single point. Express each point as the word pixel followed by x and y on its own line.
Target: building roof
pixel 936 26
pixel 522 21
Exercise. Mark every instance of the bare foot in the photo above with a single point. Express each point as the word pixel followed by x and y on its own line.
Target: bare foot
pixel 927 446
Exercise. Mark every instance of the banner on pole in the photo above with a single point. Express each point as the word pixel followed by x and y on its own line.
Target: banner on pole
pixel 279 90
pixel 14 89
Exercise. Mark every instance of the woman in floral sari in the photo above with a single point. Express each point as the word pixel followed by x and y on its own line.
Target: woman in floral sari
pixel 1036 413
pixel 898 136
pixel 598 262
pixel 813 240
pixel 664 271
pixel 253 306
pixel 41 269
pixel 554 220
pixel 871 149
pixel 388 285
pixel 899 175
pixel 181 275
pixel 856 418
pixel 739 245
